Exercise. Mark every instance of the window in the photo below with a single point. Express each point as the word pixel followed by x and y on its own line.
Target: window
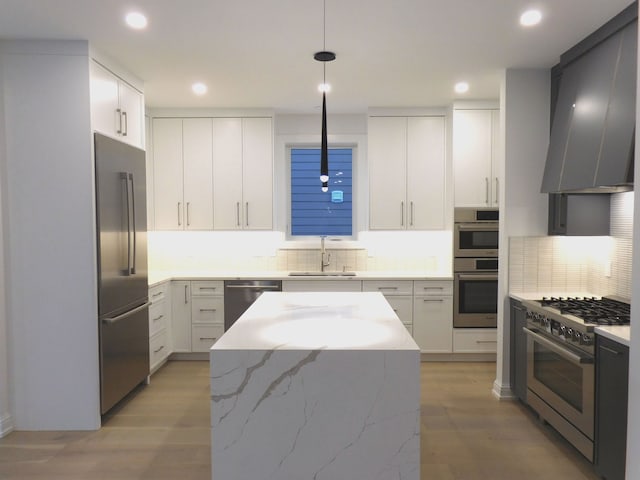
pixel 314 212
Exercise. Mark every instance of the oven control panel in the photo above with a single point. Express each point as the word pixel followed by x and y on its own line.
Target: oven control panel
pixel 561 331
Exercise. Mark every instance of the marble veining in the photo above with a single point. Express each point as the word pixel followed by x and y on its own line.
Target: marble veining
pixel 293 413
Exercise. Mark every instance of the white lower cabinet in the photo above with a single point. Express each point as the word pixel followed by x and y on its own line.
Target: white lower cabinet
pixel 433 316
pixel 322 286
pixel 180 316
pixel 399 294
pixel 475 340
pixel 207 314
pixel 159 325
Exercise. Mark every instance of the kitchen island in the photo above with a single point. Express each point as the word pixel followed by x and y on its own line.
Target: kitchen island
pixel 316 386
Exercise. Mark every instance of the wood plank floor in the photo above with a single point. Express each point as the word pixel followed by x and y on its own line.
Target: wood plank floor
pixel 162 432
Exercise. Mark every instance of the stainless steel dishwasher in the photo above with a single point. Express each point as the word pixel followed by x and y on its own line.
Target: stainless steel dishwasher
pixel 240 294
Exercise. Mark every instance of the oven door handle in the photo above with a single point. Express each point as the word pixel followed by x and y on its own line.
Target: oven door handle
pixel 563 352
pixel 472 276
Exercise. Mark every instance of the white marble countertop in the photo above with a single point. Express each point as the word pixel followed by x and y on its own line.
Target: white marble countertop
pixel 156 277
pixel 317 321
pixel 620 334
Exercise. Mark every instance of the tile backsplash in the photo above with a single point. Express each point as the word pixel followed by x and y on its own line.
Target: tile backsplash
pixel 600 265
pixel 268 251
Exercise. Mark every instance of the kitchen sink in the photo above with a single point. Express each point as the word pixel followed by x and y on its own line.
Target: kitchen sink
pixel 322 274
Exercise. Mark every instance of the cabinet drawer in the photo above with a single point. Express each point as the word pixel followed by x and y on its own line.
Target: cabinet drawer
pixel 475 340
pixel 207 310
pixel 159 292
pixel 158 348
pixel 403 307
pixel 388 287
pixel 203 336
pixel 207 288
pixel 423 288
pixel 157 317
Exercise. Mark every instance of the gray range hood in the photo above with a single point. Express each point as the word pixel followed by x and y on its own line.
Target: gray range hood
pixel 591 147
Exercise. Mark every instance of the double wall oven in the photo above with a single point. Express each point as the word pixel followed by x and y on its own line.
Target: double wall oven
pixel 475 267
pixel 561 362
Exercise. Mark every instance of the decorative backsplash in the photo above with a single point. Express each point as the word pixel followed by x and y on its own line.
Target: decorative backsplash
pixel 600 265
pixel 428 252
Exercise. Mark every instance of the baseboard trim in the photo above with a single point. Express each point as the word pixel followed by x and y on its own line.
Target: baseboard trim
pixel 6 425
pixel 502 391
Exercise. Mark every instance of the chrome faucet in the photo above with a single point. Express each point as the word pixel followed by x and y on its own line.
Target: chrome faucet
pixel 322 255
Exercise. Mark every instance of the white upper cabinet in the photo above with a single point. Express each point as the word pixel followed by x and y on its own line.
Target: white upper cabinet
pixel 117 108
pixel 407 175
pixel 475 138
pixel 243 173
pixel 182 153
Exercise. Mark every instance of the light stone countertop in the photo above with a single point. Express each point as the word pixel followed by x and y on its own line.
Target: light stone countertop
pixel 157 277
pixel 315 321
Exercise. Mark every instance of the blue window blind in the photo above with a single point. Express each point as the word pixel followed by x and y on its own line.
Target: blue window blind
pixel 314 212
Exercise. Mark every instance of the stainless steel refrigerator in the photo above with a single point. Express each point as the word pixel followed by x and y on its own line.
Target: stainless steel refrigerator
pixel 122 268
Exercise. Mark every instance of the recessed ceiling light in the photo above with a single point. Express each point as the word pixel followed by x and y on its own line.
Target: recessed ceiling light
pixel 324 87
pixel 199 88
pixel 461 87
pixel 136 20
pixel 530 18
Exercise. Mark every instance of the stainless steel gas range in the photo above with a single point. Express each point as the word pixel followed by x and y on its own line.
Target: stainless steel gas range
pixel 561 361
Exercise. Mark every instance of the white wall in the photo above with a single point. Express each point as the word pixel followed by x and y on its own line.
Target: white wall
pixel 6 421
pixel 50 236
pixel 524 127
pixel 633 422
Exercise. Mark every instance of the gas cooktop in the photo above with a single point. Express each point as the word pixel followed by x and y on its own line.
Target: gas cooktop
pixel 591 310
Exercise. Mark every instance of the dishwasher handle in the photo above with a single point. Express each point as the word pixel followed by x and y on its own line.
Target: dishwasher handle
pixel 256 287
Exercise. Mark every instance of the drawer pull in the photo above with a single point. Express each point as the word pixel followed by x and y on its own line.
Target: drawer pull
pixel 208 338
pixel 207 309
pixel 387 288
pixel 207 288
pixel 158 318
pixel 433 288
pixel 610 350
pixel 432 300
pixel 486 341
pixel 158 350
pixel 157 294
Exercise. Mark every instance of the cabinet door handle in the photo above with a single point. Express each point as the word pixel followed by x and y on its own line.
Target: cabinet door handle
pixel 402 214
pixel 185 294
pixel 156 294
pixel 179 211
pixel 188 216
pixel 238 214
pixel 433 300
pixel 207 288
pixel 126 124
pixel 411 214
pixel 387 288
pixel 486 341
pixel 207 309
pixel 610 350
pixel 495 200
pixel 486 190
pixel 158 318
pixel 246 218
pixel 208 338
pixel 159 349
pixel 119 130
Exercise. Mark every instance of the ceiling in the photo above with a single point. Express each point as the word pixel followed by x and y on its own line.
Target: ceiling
pixel 259 54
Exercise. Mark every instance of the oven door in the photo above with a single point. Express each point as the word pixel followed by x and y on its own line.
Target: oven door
pixel 475 300
pixel 563 378
pixel 475 240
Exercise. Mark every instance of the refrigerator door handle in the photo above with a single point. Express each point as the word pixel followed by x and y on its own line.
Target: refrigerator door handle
pixel 133 225
pixel 126 314
pixel 125 176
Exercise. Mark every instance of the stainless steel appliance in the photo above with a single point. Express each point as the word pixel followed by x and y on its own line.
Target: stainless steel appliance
pixel 122 268
pixel 561 361
pixel 240 294
pixel 475 292
pixel 475 267
pixel 475 232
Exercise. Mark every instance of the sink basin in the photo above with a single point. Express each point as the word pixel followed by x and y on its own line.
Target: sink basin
pixel 322 274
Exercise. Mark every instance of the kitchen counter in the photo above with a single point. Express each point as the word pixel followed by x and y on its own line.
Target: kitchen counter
pixel 620 334
pixel 309 386
pixel 157 277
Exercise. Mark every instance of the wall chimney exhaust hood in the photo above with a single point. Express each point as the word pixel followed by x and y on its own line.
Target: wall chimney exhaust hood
pixel 591 147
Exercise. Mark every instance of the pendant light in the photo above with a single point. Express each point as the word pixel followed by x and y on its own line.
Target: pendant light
pixel 324 56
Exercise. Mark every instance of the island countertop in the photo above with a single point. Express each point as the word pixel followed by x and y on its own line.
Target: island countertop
pixel 318 320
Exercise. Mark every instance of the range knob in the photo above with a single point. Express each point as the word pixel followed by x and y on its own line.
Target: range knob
pixel 586 339
pixel 577 336
pixel 563 331
pixel 569 333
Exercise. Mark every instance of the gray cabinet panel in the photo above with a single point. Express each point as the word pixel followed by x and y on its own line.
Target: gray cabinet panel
pixel 597 70
pixel 615 165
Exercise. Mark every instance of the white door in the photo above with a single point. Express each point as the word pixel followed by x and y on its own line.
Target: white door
pixel 426 177
pixel 227 174
pixel 167 174
pixel 257 174
pixel 472 136
pixel 387 173
pixel 197 137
